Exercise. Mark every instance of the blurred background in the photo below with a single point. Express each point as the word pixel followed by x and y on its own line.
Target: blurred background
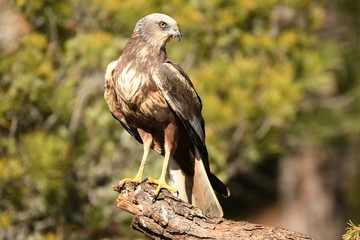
pixel 280 84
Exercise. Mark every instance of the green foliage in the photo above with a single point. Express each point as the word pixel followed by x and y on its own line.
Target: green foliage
pixel 90 51
pixel 267 81
pixel 45 165
pixel 29 76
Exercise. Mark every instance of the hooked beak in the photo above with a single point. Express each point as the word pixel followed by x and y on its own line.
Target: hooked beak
pixel 177 33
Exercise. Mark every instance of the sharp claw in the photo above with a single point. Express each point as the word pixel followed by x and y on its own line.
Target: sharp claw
pixel 120 186
pixel 155 197
pixel 177 193
pixel 136 184
pixel 144 180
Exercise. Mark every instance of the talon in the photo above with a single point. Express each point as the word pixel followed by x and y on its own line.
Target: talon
pixel 145 180
pixel 119 187
pixel 116 188
pixel 122 183
pixel 161 184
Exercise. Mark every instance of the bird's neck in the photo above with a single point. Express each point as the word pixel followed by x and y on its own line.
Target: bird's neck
pixel 138 46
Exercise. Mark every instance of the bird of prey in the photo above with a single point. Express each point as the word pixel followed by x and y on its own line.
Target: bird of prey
pixel 155 101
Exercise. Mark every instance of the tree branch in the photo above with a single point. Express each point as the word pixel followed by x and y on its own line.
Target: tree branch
pixel 171 218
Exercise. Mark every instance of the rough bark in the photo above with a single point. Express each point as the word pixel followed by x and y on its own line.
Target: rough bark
pixel 170 218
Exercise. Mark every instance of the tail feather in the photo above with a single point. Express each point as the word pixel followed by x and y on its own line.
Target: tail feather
pixel 218 185
pixel 179 180
pixel 196 189
pixel 203 194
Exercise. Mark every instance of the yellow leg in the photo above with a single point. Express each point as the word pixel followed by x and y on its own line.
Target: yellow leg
pixel 161 181
pixel 137 180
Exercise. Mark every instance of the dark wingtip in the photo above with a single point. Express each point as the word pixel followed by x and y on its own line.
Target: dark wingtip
pixel 219 186
pixel 227 193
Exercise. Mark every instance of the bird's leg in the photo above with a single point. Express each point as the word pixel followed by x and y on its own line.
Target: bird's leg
pixel 138 178
pixel 147 142
pixel 161 181
pixel 170 142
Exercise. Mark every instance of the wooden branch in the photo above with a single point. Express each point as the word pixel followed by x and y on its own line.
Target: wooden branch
pixel 171 218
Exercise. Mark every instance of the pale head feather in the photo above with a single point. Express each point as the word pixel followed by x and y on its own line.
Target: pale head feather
pixel 149 28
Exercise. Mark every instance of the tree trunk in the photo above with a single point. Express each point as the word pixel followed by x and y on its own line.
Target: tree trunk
pixel 310 185
pixel 171 218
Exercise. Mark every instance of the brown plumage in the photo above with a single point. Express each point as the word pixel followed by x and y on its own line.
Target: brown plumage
pixel 156 103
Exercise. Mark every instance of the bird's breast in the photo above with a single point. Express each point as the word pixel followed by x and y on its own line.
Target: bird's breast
pixel 142 99
pixel 129 84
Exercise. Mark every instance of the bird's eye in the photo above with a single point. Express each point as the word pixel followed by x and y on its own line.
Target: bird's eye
pixel 162 24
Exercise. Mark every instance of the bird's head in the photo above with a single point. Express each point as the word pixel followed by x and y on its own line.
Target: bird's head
pixel 157 29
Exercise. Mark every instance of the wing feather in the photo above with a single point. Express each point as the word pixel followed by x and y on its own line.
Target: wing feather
pixel 185 102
